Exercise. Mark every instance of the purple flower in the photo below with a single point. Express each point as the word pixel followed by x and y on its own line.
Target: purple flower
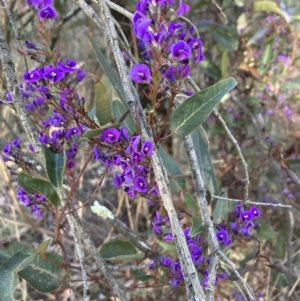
pixel 53 74
pixel 118 180
pixel 130 191
pixel 31 148
pixel 6 149
pixel 182 9
pixel 124 133
pixel 39 3
pixel 110 136
pixel 140 184
pixel 29 44
pixel 222 236
pixel 147 149
pixel 156 228
pixel 246 216
pixel 128 175
pixel 136 158
pixel 8 97
pixel 70 164
pixel 166 261
pixel 169 237
pixel 141 30
pixel 16 142
pixel 80 75
pixel 133 146
pixel 170 74
pixel 140 73
pixel 35 211
pixel 68 67
pixel 157 218
pixel 181 51
pixel 47 13
pixel 152 264
pixel 31 76
pixel 255 212
pixel 287 112
pixel 96 153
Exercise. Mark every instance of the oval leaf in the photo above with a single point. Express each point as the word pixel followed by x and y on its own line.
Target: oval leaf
pixel 117 248
pixel 45 273
pixel 8 274
pixel 118 110
pixel 102 101
pixel 172 169
pixel 194 111
pixel 270 6
pixel 32 184
pixel 110 72
pixel 197 226
pixel 140 275
pixel 225 39
pixel 204 161
pixel 55 165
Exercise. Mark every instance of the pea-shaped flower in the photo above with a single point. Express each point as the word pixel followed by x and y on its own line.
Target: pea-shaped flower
pixel 140 73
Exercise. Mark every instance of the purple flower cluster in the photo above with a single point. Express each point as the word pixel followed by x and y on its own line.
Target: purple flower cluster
pixel 12 151
pixel 44 7
pixel 242 225
pixel 133 159
pixel 161 225
pixel 54 86
pixel 31 200
pixel 171 44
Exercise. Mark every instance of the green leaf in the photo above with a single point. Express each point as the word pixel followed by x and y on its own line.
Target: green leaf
pixel 8 274
pixel 268 54
pixel 140 275
pixel 44 273
pixel 103 100
pixel 117 248
pixel 203 157
pixel 172 169
pixel 253 101
pixel 222 209
pixel 292 85
pixel 294 164
pixel 191 203
pixel 97 132
pixel 258 36
pixel 55 165
pixel 197 226
pixel 225 39
pixel 42 247
pixel 265 231
pixel 110 72
pixel 194 111
pixel 118 110
pixel 168 247
pixel 210 69
pixel 270 6
pixel 32 184
pixel 224 63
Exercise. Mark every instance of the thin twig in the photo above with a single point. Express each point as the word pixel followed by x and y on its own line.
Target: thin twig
pixel 15 29
pixel 250 202
pixel 127 267
pixel 81 261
